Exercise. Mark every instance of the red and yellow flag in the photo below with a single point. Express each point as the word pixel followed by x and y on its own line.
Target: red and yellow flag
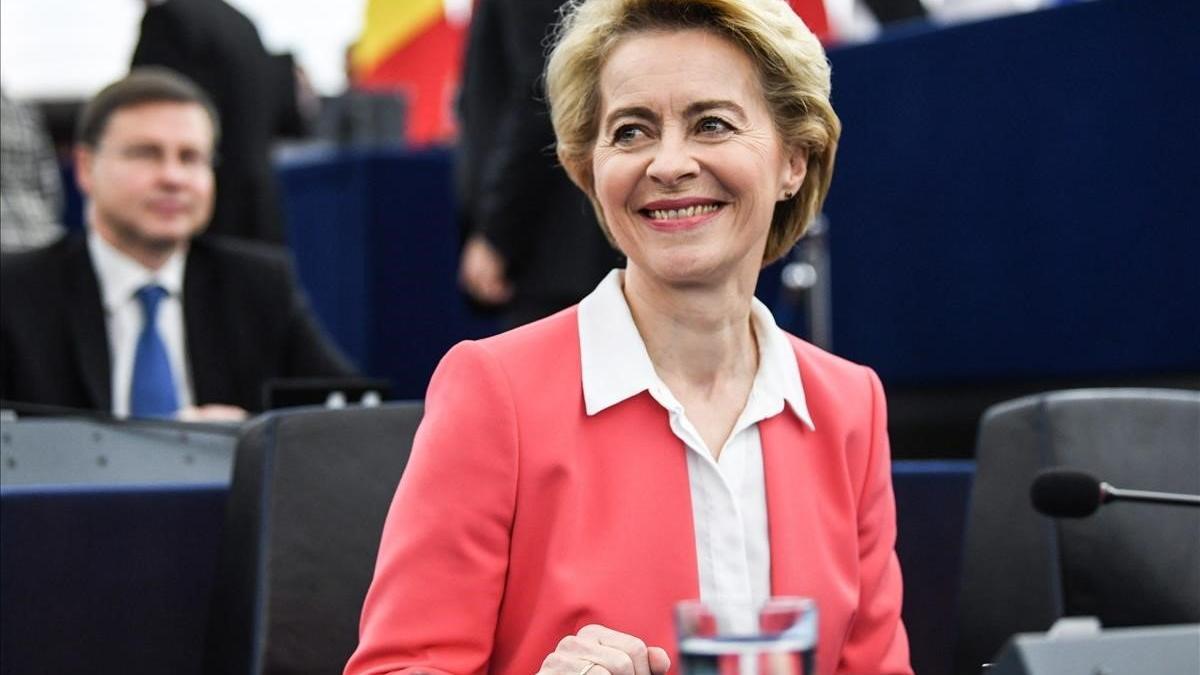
pixel 415 46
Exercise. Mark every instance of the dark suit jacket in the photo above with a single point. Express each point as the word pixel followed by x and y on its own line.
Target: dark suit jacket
pixel 245 321
pixel 511 186
pixel 219 48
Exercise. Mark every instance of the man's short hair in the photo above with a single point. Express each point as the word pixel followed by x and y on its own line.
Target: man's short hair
pixel 149 84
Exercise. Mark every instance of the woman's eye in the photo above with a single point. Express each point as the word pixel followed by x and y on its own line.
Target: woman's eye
pixel 627 133
pixel 713 125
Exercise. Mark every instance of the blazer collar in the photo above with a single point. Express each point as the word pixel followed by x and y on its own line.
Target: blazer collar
pixel 793 504
pixel 204 312
pixel 89 330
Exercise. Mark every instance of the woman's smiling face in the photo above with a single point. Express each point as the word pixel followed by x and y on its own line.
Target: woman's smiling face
pixel 688 164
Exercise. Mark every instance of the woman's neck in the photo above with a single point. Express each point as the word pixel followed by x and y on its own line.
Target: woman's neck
pixel 699 335
pixel 701 342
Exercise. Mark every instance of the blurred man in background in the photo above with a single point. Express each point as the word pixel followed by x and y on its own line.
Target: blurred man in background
pixel 143 317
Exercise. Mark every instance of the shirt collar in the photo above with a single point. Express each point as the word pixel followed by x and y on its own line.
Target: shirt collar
pixel 778 370
pixel 616 365
pixel 120 276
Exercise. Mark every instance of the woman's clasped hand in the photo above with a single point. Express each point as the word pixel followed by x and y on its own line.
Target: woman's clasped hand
pixel 597 650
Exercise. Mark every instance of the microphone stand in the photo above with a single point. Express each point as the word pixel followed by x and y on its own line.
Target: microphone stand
pixel 1112 494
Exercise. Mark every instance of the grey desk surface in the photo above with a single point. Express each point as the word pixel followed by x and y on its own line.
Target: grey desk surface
pixel 45 451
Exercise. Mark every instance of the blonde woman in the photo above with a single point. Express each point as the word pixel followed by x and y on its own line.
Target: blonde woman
pixel 664 439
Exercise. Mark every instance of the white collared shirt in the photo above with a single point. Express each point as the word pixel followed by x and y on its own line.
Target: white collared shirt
pixel 120 277
pixel 729 505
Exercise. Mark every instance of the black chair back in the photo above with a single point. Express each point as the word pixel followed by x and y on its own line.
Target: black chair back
pixel 1128 564
pixel 310 491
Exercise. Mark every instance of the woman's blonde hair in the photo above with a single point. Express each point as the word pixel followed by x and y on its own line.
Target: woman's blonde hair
pixel 792 68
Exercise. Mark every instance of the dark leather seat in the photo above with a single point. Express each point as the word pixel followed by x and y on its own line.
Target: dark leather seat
pixel 310 491
pixel 1128 564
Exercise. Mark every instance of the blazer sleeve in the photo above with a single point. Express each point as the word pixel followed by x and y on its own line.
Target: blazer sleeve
pixel 877 642
pixel 443 558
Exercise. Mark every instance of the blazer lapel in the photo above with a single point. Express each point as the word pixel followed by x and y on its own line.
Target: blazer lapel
pixel 85 309
pixel 792 504
pixel 203 318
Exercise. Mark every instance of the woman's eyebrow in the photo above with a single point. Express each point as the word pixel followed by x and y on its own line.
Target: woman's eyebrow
pixel 700 107
pixel 637 112
pixel 693 110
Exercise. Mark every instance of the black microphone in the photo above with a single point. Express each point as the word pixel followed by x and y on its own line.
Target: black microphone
pixel 1067 493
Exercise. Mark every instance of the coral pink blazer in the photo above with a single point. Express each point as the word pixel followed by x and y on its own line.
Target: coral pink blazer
pixel 520 519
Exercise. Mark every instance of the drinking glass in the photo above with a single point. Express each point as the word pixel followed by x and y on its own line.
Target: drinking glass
pixel 778 637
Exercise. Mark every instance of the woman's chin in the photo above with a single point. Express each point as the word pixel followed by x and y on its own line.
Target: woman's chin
pixel 684 271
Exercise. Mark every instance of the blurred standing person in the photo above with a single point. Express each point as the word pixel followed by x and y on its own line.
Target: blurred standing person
pixel 219 48
pixel 532 244
pixel 30 187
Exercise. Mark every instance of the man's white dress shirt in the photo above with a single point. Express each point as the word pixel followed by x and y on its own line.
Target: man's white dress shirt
pixel 729 504
pixel 120 277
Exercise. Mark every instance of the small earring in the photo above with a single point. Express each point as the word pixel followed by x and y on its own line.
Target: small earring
pixel 787 194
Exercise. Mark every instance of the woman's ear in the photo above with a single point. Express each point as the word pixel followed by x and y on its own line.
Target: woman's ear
pixel 794 172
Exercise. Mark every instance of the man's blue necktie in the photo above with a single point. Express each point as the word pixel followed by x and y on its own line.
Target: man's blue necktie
pixel 152 391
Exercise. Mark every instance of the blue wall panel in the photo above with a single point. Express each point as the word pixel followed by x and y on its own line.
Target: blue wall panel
pixel 1018 197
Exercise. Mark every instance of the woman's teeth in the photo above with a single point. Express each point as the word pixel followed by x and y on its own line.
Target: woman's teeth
pixel 689 212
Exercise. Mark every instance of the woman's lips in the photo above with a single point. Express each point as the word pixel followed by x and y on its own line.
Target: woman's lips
pixel 679 215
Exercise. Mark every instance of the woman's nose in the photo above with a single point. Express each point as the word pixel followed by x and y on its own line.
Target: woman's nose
pixel 673 161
